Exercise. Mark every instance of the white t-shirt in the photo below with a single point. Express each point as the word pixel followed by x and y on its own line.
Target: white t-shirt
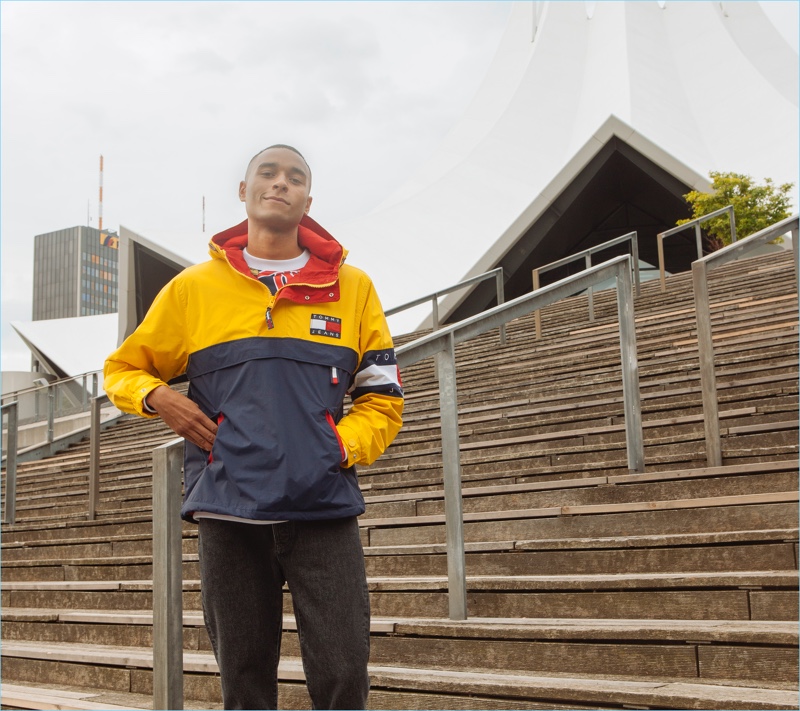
pixel 295 264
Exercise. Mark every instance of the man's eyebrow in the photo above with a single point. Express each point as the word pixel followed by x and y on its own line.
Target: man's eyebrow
pixel 293 169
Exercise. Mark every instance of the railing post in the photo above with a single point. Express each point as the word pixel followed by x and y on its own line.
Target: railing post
pixel 167 577
pixel 451 464
pixel 51 407
pixel 94 384
pixel 11 463
pixel 698 236
pixel 661 270
pixel 636 275
pixel 501 300
pixel 588 265
pixel 435 312
pixel 705 349
pixel 94 458
pixel 630 370
pixel 537 315
pixel 733 224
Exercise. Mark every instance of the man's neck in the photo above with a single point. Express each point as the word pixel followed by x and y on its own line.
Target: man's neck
pixel 268 243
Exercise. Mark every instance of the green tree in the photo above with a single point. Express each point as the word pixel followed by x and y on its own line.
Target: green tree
pixel 754 206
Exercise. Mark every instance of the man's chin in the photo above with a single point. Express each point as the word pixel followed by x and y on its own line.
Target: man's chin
pixel 272 221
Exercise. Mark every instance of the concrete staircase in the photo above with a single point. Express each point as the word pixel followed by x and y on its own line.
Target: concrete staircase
pixel 588 586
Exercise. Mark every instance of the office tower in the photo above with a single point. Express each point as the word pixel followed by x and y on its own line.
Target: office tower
pixel 74 273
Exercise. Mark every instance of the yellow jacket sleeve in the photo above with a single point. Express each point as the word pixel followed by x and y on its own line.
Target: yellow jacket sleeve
pixel 376 414
pixel 153 354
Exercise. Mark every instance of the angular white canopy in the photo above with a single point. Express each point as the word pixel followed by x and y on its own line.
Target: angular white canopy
pixel 68 347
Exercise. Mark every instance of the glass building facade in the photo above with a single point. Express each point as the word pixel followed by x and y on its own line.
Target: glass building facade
pixel 74 274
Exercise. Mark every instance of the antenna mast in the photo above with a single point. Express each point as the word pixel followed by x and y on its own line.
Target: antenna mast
pixel 100 207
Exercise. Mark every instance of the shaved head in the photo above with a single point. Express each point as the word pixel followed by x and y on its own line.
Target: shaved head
pixel 277 145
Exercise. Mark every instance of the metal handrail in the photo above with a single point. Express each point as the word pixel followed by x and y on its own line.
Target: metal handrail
pixel 441 345
pixel 10 409
pixel 167 577
pixel 661 236
pixel 497 274
pixel 705 344
pixel 586 254
pixel 65 398
pixel 82 377
pixel 12 454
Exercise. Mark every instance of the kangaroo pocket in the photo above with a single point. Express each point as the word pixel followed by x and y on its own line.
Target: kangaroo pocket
pixel 277 454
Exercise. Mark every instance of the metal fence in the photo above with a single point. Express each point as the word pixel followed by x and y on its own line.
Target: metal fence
pixel 11 454
pixel 441 345
pixel 705 344
pixel 586 255
pixel 496 274
pixel 661 236
pixel 50 401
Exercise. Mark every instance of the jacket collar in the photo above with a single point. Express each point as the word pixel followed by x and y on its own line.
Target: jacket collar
pixel 327 255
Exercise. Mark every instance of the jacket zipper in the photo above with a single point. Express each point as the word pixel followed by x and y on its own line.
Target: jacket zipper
pixel 268 315
pixel 269 319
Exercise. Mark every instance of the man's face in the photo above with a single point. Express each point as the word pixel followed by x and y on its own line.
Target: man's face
pixel 275 190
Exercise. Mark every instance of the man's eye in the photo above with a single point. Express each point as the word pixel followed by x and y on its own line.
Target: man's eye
pixel 296 181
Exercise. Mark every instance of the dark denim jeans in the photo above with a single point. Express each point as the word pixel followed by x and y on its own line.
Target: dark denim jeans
pixel 243 567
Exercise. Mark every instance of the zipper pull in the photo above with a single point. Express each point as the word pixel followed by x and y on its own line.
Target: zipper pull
pixel 270 322
pixel 334 376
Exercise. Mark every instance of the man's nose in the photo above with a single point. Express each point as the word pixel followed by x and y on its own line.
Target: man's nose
pixel 281 182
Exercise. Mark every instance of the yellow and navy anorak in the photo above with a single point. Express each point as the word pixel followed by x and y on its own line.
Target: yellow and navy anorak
pixel 272 371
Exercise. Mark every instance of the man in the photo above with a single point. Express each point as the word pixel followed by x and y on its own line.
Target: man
pixel 272 332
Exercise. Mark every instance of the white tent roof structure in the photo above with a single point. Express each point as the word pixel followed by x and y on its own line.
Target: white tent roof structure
pixel 692 86
pixel 71 346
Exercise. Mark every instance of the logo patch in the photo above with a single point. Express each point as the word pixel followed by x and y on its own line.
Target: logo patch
pixel 326 326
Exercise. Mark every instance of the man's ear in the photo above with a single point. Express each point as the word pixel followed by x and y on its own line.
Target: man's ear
pixel 242 190
pixel 308 205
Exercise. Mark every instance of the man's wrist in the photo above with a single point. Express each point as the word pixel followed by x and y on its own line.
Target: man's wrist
pixel 148 401
pixel 147 407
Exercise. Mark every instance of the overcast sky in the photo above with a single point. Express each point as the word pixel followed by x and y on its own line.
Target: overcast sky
pixel 177 96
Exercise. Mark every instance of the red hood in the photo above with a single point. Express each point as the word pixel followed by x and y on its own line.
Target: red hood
pixel 327 254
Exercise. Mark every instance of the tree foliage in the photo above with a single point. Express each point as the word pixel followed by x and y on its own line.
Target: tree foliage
pixel 754 206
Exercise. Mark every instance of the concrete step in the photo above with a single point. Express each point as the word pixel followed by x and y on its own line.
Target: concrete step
pixel 516 508
pixel 674 648
pixel 663 438
pixel 739 595
pixel 86 540
pixel 590 520
pixel 132 668
pixel 704 552
pixel 776 549
pixel 495 466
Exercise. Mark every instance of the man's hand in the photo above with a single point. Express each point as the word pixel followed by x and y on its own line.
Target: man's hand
pixel 183 416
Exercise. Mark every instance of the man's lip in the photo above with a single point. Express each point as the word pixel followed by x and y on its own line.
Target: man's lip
pixel 272 197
